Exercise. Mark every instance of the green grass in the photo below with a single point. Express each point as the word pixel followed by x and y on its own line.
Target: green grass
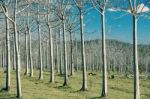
pixel 32 88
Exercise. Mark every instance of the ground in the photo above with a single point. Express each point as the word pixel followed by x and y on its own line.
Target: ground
pixel 32 88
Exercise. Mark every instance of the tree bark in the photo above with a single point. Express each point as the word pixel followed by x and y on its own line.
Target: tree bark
pixel 19 93
pixel 71 56
pixel 18 80
pixel 135 60
pixel 7 54
pixel 51 55
pixel 57 55
pixel 77 56
pixel 65 55
pixel 84 81
pixel 104 67
pixel 14 54
pixel 40 49
pixel 26 54
pixel 30 46
pixel 47 54
pixel 60 53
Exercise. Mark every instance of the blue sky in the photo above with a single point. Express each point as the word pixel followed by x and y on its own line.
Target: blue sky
pixel 116 28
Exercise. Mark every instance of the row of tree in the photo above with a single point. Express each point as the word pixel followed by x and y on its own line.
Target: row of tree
pixel 53 27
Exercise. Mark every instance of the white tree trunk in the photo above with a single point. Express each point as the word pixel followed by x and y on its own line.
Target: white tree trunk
pixel 7 54
pixel 19 93
pixel 65 55
pixel 60 53
pixel 71 56
pixel 30 55
pixel 2 56
pixel 135 60
pixel 77 56
pixel 40 49
pixel 26 54
pixel 47 54
pixel 30 46
pixel 57 54
pixel 104 67
pixel 84 81
pixel 18 80
pixel 14 54
pixel 51 55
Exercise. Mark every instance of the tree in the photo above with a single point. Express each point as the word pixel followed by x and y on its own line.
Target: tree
pixel 19 92
pixel 30 44
pixel 101 5
pixel 61 10
pixel 40 48
pixel 51 48
pixel 72 27
pixel 136 8
pixel 80 5
pixel 26 53
pixel 7 52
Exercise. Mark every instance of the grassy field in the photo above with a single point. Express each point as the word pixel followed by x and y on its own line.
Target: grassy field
pixel 32 88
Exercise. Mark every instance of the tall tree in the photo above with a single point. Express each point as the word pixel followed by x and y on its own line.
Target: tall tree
pixel 100 6
pixel 61 10
pixel 136 8
pixel 30 43
pixel 52 78
pixel 40 47
pixel 7 52
pixel 80 5
pixel 26 54
pixel 19 92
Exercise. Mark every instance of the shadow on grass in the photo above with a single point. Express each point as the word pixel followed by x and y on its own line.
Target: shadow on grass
pixel 147 95
pixel 11 97
pixel 120 89
pixel 98 97
pixel 3 89
pixel 79 91
pixel 63 87
pixel 5 95
pixel 60 75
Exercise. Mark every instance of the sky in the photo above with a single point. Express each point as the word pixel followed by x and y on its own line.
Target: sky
pixel 118 27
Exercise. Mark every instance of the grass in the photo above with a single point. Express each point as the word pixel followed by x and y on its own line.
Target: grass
pixel 32 88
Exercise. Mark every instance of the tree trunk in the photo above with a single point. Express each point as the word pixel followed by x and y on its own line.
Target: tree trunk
pixel 77 56
pixel 51 55
pixel 84 81
pixel 104 67
pixel 7 54
pixel 19 93
pixel 57 55
pixel 65 55
pixel 40 49
pixel 14 54
pixel 26 54
pixel 2 56
pixel 71 56
pixel 40 55
pixel 135 60
pixel 30 55
pixel 30 46
pixel 18 80
pixel 47 54
pixel 60 53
